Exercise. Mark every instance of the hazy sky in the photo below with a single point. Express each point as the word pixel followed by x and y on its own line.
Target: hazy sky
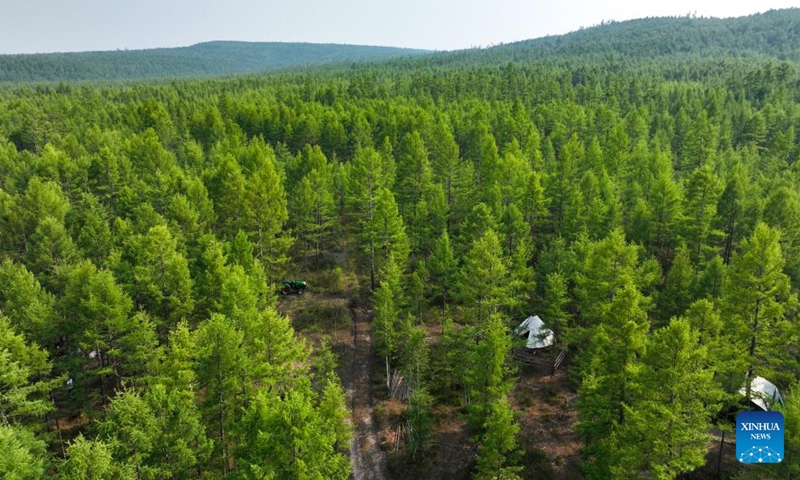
pixel 28 26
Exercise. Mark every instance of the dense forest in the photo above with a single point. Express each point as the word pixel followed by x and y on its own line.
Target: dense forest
pixel 649 212
pixel 200 60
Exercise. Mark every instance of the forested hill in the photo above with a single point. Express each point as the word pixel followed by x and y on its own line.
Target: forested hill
pixel 774 34
pixel 202 59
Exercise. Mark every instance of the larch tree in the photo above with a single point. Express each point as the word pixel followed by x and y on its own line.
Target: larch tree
pixel 221 369
pixel 483 283
pixel 442 266
pixel 782 211
pixel 730 208
pixel 24 384
pixel 667 424
pixel 700 208
pixel 24 301
pixel 265 212
pixel 606 267
pixel 227 185
pixel 366 180
pixel 287 437
pixel 488 381
pixel 161 280
pixel 93 460
pixel 757 299
pixel 414 174
pixel 389 232
pixel 611 364
pixel 388 308
pixel 498 449
pixel 664 201
pixel 679 281
pixel 24 457
pixel 314 208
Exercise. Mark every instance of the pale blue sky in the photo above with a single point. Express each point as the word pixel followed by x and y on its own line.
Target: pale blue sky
pixel 29 26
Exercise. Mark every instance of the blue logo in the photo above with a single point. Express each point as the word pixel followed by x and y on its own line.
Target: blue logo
pixel 759 437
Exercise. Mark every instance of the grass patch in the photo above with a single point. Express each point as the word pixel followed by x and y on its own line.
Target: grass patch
pixel 326 317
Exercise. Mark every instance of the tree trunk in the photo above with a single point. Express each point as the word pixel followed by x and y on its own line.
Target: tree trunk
pixel 719 457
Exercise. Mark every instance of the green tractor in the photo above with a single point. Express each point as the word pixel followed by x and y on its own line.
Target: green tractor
pixel 293 286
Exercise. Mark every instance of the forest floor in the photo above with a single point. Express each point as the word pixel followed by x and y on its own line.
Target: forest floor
pixel 337 314
pixel 544 403
pixel 366 455
pixel 546 412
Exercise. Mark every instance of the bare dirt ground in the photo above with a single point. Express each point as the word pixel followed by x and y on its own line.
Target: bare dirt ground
pixel 369 461
pixel 338 315
pixel 546 412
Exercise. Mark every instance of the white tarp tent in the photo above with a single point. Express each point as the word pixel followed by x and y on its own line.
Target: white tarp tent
pixel 539 336
pixel 763 393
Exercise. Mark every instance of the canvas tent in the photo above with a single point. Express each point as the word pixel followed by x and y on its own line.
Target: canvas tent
pixel 763 393
pixel 538 335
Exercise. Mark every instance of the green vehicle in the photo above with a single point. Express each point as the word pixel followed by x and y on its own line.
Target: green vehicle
pixel 293 286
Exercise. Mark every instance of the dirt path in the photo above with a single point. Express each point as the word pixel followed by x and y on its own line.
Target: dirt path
pixel 369 462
